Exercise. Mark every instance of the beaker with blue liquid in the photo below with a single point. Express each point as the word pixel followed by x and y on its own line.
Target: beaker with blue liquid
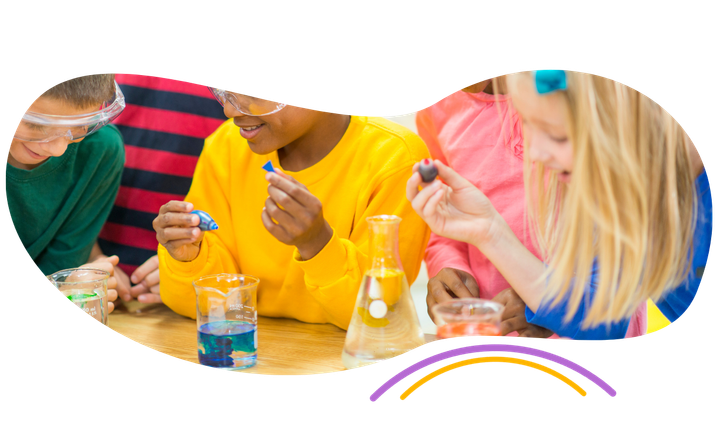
pixel 227 320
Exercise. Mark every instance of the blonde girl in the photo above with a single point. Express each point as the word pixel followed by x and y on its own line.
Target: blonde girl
pixel 618 200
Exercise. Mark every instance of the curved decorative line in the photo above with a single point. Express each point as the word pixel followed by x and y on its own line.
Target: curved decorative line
pixel 492 348
pixel 517 361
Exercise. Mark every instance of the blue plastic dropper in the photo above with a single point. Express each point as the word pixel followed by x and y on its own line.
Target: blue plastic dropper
pixel 206 221
pixel 268 167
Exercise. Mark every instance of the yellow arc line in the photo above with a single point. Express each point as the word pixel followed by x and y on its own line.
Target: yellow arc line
pixel 517 361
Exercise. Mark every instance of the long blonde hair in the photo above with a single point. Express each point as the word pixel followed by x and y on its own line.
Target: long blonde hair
pixel 631 207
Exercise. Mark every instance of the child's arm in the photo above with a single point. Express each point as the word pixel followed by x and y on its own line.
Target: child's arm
pixel 176 276
pixel 447 260
pixel 108 264
pixel 673 303
pixel 294 216
pixel 514 317
pixel 441 252
pixel 185 253
pixel 74 242
pixel 444 253
pixel 96 253
pixel 449 272
pixel 460 211
pixel 334 273
pixel 553 318
pixel 123 282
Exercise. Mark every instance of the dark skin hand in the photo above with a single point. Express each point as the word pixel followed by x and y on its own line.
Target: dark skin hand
pixel 514 316
pixel 177 230
pixel 448 284
pixel 294 216
pixel 454 283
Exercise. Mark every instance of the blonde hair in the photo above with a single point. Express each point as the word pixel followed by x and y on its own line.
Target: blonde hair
pixel 631 207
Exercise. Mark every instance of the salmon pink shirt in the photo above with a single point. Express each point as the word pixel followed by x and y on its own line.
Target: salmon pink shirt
pixel 479 135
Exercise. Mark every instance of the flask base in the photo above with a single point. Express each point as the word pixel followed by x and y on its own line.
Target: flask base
pixel 351 361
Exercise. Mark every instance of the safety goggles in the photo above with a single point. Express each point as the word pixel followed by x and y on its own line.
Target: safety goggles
pixel 248 105
pixel 39 127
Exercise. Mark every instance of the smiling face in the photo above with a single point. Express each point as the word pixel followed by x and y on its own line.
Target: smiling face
pixel 28 155
pixel 266 134
pixel 544 126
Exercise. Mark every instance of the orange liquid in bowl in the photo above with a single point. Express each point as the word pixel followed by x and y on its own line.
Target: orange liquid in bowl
pixel 466 330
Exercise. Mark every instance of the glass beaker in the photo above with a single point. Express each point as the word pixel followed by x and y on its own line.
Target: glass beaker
pixel 467 317
pixel 227 320
pixel 384 323
pixel 85 287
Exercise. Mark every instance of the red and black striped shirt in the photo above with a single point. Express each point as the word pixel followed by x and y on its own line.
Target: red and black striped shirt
pixel 164 125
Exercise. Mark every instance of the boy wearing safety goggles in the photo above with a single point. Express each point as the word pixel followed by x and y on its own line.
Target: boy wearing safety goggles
pixel 301 229
pixel 63 172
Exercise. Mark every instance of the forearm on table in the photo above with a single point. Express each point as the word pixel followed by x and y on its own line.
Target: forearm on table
pixel 176 277
pixel 333 276
pixel 522 270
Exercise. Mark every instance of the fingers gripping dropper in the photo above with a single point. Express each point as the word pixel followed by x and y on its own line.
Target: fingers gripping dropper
pixel 428 171
pixel 206 221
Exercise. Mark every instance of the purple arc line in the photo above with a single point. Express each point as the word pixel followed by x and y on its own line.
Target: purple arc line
pixel 491 348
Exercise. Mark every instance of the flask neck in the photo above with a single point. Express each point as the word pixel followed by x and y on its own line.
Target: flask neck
pixel 384 242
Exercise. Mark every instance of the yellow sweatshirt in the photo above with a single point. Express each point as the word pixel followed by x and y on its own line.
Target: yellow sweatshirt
pixel 364 175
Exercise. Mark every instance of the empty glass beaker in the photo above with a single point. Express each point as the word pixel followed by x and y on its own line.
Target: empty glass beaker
pixel 384 323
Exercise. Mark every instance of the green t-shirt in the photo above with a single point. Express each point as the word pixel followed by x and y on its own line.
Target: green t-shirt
pixel 59 207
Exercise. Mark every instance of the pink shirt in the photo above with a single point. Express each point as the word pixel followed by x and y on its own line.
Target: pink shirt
pixel 479 135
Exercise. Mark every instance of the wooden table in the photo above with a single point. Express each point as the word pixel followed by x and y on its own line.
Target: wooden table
pixel 284 346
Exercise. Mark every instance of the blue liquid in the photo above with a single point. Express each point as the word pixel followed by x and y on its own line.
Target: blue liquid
pixel 227 344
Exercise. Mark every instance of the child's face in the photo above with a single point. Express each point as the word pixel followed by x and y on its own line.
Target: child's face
pixel 544 126
pixel 28 155
pixel 266 134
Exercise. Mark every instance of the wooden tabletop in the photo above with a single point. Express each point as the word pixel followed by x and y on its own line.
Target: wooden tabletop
pixel 284 346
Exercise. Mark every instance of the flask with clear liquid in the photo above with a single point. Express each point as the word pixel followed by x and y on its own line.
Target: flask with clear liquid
pixel 384 323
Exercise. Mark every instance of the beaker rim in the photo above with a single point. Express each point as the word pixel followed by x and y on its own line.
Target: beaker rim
pixel 383 219
pixel 79 269
pixel 256 281
pixel 446 307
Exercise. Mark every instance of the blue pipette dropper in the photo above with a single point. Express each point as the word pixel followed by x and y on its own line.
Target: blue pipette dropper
pixel 268 167
pixel 206 221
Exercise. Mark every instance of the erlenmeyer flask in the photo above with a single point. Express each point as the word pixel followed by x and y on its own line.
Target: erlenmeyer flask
pixel 384 323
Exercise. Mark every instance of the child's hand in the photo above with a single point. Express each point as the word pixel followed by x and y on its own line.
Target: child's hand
pixel 147 281
pixel 108 265
pixel 177 230
pixel 513 318
pixel 123 285
pixel 123 282
pixel 448 284
pixel 294 216
pixel 457 210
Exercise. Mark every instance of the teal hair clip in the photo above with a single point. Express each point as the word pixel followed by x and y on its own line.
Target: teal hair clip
pixel 547 81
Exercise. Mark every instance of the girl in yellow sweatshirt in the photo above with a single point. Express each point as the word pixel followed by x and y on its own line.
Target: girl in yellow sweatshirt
pixel 302 229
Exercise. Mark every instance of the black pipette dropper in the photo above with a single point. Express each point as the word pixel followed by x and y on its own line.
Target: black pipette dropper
pixel 428 171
